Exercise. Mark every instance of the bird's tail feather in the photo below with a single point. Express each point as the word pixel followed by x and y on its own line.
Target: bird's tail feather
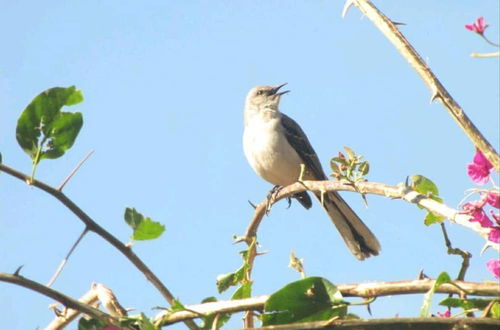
pixel 357 236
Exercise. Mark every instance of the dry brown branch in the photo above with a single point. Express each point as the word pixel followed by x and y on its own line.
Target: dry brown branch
pixel 364 290
pixel 393 192
pixel 93 226
pixel 56 295
pixel 390 30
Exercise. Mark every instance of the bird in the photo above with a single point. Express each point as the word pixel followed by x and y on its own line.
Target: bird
pixel 275 146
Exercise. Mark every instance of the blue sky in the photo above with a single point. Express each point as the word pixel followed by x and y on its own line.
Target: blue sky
pixel 164 84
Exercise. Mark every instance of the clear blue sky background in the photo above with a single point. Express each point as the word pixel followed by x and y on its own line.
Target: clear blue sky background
pixel 164 84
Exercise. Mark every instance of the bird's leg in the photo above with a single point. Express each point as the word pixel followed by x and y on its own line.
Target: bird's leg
pixel 271 197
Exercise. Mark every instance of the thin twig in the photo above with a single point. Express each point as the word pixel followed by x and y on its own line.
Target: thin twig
pixel 58 296
pixel 363 290
pixel 456 251
pixel 485 55
pixel 65 260
pixel 91 225
pixel 390 30
pixel 74 170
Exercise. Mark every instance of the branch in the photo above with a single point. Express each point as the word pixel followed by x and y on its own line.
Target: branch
pixel 390 30
pixel 69 314
pixel 393 192
pixel 63 299
pixel 365 290
pixel 96 228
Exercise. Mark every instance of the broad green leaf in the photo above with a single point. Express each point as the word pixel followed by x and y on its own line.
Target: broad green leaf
pixel 43 131
pixel 144 228
pixel 431 218
pixel 441 279
pixel 310 299
pixel 244 291
pixel 147 230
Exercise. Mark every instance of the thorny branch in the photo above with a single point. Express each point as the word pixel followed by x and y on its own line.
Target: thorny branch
pixel 365 290
pixel 93 226
pixel 56 295
pixel 393 192
pixel 390 30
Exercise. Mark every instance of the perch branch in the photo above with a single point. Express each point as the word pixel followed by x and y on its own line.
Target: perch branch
pixel 393 192
pixel 93 226
pixel 390 30
pixel 364 290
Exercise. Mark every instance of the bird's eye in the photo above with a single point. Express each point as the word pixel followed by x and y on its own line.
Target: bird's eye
pixel 260 92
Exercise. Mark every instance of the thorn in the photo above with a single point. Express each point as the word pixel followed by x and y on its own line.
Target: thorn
pixel 252 204
pixel 18 270
pixel 398 23
pixel 348 4
pixel 434 96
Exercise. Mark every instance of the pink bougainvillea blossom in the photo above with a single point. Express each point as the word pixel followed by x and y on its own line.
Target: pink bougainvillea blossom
pixel 478 26
pixel 475 209
pixel 495 216
pixel 494 267
pixel 480 168
pixel 445 314
pixel 494 199
pixel 494 234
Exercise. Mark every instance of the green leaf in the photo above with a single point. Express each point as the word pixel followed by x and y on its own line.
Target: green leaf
pixel 495 310
pixel 43 131
pixel 339 160
pixel 225 281
pixel 432 218
pixel 364 168
pixel 139 321
pixel 244 291
pixel 350 153
pixel 467 303
pixel 310 299
pixel 90 324
pixel 424 186
pixel 144 228
pixel 441 279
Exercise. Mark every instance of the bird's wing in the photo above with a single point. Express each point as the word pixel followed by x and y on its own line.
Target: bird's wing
pixel 299 142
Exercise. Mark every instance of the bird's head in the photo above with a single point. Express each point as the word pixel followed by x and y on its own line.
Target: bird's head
pixel 264 97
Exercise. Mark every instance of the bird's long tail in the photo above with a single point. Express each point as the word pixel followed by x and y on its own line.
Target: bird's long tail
pixel 358 238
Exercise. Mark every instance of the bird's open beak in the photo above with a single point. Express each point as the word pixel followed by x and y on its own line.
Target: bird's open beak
pixel 277 88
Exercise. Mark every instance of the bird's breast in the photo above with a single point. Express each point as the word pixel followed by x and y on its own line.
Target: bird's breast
pixel 269 153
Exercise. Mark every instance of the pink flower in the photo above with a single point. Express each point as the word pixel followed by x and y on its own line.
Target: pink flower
pixel 478 26
pixel 494 234
pixel 494 200
pixel 479 170
pixel 445 314
pixel 475 209
pixel 495 216
pixel 494 267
